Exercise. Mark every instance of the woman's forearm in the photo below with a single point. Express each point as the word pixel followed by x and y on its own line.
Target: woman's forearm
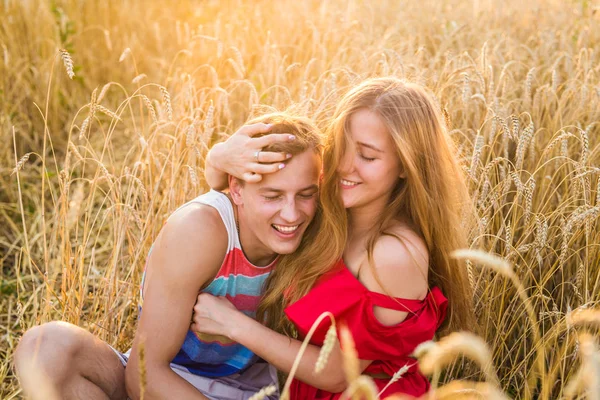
pixel 281 351
pixel 215 177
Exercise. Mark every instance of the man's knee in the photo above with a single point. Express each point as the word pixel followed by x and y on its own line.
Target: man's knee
pixel 49 348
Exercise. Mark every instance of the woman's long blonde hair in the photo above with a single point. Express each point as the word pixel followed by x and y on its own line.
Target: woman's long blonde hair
pixel 433 198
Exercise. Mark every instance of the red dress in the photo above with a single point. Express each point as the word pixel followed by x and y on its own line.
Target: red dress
pixel 342 294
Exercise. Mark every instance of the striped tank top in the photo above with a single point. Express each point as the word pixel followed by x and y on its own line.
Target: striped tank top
pixel 241 283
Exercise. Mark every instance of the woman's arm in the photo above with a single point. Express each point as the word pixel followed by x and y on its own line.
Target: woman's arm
pixel 237 156
pixel 217 316
pixel 214 175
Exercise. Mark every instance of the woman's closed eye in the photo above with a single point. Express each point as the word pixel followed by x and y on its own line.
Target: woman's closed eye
pixel 364 157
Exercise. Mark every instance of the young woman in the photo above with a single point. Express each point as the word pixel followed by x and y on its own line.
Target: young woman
pixel 392 200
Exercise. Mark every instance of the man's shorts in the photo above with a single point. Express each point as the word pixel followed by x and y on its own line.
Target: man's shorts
pixel 239 386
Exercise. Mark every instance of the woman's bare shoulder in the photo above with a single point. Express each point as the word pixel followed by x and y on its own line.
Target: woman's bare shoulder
pixel 401 262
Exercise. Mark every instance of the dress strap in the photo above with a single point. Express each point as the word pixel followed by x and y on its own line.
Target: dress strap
pixel 396 303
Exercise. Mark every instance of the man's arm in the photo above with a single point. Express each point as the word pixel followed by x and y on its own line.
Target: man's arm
pixel 187 253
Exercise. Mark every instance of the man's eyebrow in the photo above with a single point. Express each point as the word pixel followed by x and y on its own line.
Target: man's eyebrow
pixel 275 190
pixel 311 187
pixel 370 146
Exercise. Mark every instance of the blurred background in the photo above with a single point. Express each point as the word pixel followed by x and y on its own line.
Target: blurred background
pixel 108 108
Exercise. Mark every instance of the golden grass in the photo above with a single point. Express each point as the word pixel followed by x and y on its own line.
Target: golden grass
pixel 91 166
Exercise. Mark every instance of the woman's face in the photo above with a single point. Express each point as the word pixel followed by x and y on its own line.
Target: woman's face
pixel 370 166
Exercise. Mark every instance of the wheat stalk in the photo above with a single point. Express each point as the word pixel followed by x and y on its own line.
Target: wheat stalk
pixel 167 100
pixel 125 54
pixel 68 62
pixel 264 393
pixel 529 84
pixel 350 356
pixel 362 387
pixel 193 175
pixel 328 345
pixel 138 78
pixel 459 343
pixel 396 377
pixel 108 112
pixel 285 393
pixel 208 122
pixel 503 267
pixel 469 390
pixel 587 379
pixel 150 107
pixel 21 163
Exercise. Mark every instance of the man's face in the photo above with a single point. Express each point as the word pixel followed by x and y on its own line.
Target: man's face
pixel 278 209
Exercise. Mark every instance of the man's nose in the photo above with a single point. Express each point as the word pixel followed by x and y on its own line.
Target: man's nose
pixel 289 212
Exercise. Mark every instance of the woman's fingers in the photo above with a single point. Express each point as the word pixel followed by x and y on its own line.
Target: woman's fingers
pixel 258 170
pixel 273 138
pixel 271 157
pixel 255 129
pixel 251 177
pixel 262 169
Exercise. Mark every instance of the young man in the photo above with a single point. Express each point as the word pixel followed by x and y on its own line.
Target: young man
pixel 219 244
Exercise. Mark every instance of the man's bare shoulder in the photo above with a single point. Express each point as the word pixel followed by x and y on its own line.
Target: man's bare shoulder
pixel 194 238
pixel 195 219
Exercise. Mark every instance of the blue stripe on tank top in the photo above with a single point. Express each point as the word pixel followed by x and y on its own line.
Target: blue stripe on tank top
pixel 201 369
pixel 214 353
pixel 233 285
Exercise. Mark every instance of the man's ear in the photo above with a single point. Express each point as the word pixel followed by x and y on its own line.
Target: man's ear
pixel 235 190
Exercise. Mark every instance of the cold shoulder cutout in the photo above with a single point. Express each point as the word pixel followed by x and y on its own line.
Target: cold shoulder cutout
pixel 390 347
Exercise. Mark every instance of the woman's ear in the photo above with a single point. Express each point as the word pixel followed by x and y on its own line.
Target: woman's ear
pixel 402 174
pixel 235 189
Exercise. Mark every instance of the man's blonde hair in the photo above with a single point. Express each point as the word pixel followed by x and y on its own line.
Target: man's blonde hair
pixel 308 135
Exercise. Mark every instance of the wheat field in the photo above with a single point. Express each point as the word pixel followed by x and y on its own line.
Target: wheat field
pixel 108 108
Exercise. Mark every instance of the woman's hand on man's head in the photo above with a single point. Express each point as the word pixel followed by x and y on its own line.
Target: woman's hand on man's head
pixel 241 154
